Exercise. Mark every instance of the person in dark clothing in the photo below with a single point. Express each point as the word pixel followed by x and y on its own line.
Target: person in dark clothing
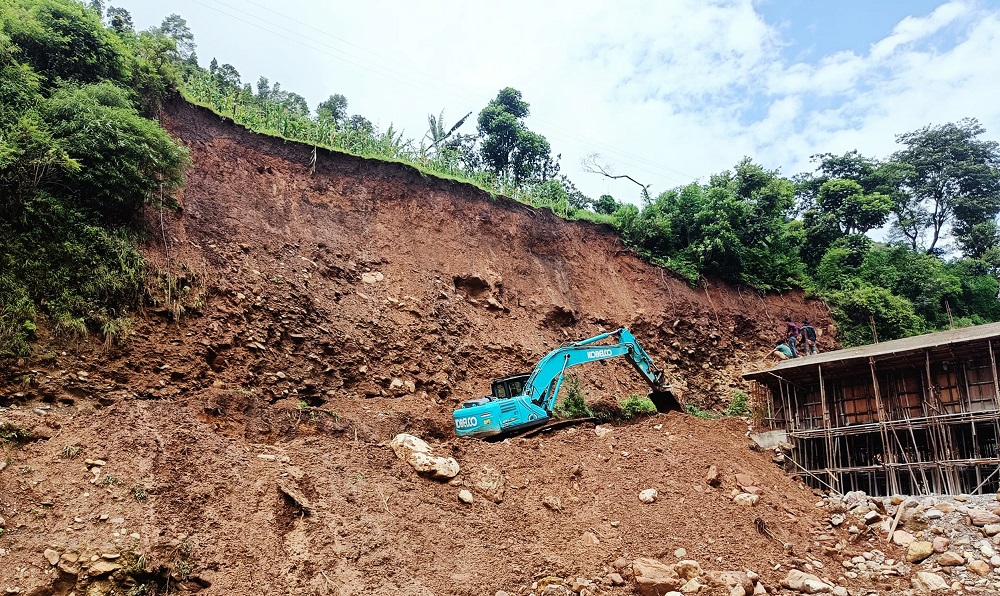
pixel 808 335
pixel 791 333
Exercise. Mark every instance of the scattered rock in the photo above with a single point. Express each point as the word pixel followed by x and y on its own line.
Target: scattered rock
pixel 712 477
pixel 991 529
pixel 616 579
pixel 465 497
pixel 591 539
pixel 292 493
pixel 648 496
pixel 745 480
pixel 737 582
pixel 553 503
pixel 872 517
pixel 746 499
pixel 902 538
pixel 918 550
pixel 602 430
pixel 490 483
pixel 653 578
pixel 806 583
pixel 926 581
pixel 417 453
pixel 941 544
pixel 101 568
pixel 981 517
pixel 52 556
pixel 950 559
pixel 687 569
pixel 979 567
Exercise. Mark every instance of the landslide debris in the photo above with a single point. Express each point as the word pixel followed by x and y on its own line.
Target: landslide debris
pixel 306 317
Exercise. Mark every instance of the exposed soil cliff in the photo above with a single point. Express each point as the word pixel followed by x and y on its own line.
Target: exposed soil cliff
pixel 329 302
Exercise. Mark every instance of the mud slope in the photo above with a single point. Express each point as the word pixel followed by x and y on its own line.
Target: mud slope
pixel 243 449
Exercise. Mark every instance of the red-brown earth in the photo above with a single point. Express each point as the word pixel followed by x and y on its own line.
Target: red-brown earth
pixel 299 297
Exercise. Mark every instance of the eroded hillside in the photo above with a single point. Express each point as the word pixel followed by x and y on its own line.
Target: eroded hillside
pixel 330 302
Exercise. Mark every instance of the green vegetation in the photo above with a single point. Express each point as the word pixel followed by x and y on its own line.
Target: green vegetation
pixel 574 401
pixel 738 404
pixel 748 225
pixel 14 434
pixel 697 412
pixel 634 406
pixel 78 161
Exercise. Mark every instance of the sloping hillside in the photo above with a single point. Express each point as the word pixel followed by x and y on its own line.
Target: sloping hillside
pixel 328 303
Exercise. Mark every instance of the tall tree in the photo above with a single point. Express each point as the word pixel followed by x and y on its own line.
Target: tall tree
pixel 333 109
pixel 508 147
pixel 855 211
pixel 947 175
pixel 120 20
pixel 176 28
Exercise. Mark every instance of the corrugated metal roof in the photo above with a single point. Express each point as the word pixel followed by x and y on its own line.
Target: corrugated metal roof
pixel 898 347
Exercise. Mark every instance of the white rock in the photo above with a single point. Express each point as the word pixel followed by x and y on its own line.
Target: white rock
pixel 986 548
pixel 926 581
pixel 648 496
pixel 933 514
pixel 465 496
pixel 602 430
pixel 417 453
pixel 746 499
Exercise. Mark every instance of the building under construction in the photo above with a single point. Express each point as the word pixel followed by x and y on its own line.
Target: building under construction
pixel 919 415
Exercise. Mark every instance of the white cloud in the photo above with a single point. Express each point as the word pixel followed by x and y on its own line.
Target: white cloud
pixel 669 92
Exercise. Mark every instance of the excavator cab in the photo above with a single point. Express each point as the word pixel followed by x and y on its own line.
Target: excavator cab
pixel 510 386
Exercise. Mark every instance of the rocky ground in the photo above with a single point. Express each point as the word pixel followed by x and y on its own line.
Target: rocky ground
pixel 296 322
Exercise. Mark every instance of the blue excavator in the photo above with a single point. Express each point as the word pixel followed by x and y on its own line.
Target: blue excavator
pixel 522 402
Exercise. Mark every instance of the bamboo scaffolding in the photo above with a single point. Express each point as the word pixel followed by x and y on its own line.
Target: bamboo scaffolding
pixel 958 454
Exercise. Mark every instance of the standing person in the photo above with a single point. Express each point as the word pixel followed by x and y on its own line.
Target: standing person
pixel 791 333
pixel 808 333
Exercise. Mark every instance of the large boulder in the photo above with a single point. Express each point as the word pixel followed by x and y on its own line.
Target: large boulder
pixel 653 578
pixel 417 453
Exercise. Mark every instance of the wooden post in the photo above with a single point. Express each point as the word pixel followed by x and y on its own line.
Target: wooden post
pixel 891 481
pixel 993 367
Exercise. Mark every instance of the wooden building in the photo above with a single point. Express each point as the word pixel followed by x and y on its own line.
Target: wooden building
pixel 919 415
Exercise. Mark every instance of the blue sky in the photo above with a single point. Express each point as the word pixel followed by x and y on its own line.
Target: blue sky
pixel 668 92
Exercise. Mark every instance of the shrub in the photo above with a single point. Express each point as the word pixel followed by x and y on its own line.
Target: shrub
pixel 737 404
pixel 634 406
pixel 697 412
pixel 574 405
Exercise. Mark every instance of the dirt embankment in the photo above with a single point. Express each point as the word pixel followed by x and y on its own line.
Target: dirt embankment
pixel 331 302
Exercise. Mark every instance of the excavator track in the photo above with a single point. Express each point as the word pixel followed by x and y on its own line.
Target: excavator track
pixel 534 431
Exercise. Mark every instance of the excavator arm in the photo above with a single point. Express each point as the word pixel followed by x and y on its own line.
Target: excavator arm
pixel 543 385
pixel 492 415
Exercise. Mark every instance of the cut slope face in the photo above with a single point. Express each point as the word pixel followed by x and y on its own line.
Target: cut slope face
pixel 336 302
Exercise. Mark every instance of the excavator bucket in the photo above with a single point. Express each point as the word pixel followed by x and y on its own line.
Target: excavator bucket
pixel 665 401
